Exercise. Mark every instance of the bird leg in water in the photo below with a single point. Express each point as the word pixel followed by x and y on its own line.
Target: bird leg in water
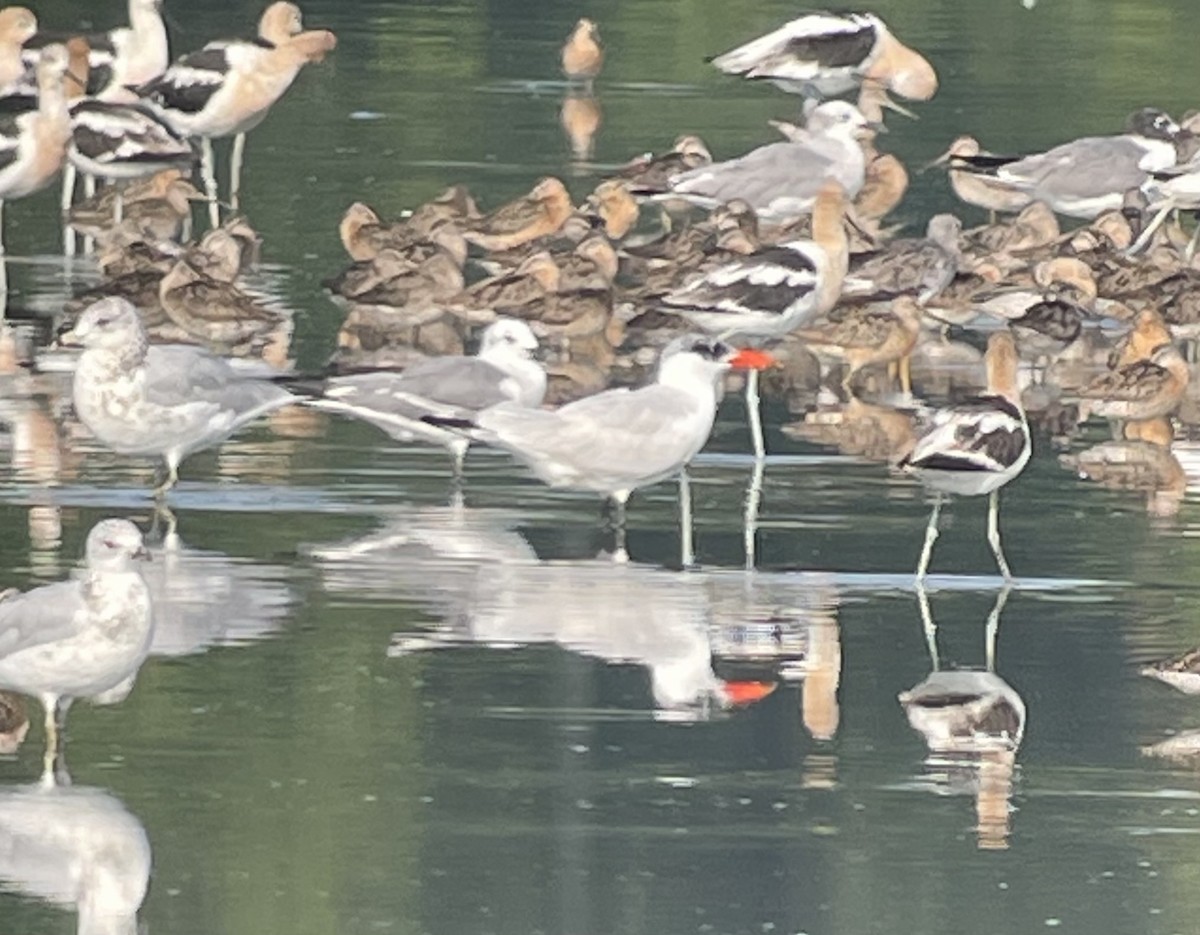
pixel 170 477
pixel 89 192
pixel 209 173
pixel 993 534
pixel 235 171
pixel 931 534
pixel 750 518
pixel 68 198
pixel 993 627
pixel 50 703
pixel 928 626
pixel 752 412
pixel 687 545
pixel 617 519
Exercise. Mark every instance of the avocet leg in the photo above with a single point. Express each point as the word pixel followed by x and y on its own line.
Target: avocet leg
pixel 928 626
pixel 209 173
pixel 931 534
pixel 993 628
pixel 993 535
pixel 89 191
pixel 235 171
pixel 68 199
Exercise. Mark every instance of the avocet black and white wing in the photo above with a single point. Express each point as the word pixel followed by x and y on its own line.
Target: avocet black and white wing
pixel 974 441
pixel 819 53
pixel 768 288
pixel 191 81
pixel 12 110
pixel 124 140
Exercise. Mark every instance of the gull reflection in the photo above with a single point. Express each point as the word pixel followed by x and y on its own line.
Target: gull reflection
pixel 75 847
pixel 973 722
pixel 202 598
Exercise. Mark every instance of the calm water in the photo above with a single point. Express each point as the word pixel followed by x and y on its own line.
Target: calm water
pixel 371 710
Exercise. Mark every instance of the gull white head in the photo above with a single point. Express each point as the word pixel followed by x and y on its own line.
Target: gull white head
pixel 113 544
pixel 110 324
pixel 508 337
pixel 838 118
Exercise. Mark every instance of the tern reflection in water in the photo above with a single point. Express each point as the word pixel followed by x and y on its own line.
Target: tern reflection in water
pixel 201 598
pixel 78 848
pixel 973 722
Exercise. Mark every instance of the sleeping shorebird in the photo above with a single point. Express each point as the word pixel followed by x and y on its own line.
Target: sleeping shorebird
pixel 120 58
pixel 227 88
pixel 649 174
pixel 975 448
pixel 1144 389
pixel 582 54
pixel 772 291
pixel 781 180
pixel 34 138
pixel 920 266
pixel 827 54
pixel 540 213
pixel 113 141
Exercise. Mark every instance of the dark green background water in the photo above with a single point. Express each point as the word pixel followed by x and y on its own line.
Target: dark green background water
pixel 304 781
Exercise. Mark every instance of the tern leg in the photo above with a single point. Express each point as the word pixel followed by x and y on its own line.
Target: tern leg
pixel 68 198
pixel 993 534
pixel 235 170
pixel 928 626
pixel 754 415
pixel 993 627
pixel 687 545
pixel 209 173
pixel 931 534
pixel 750 518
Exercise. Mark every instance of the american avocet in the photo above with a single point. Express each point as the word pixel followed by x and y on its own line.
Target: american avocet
pixel 780 180
pixel 34 138
pixel 867 336
pixel 502 371
pixel 827 54
pixel 774 290
pixel 82 638
pixel 540 213
pixel 582 54
pixel 113 141
pixel 1089 175
pixel 120 58
pixel 616 441
pixel 164 401
pixel 17 26
pixel 227 88
pixel 975 448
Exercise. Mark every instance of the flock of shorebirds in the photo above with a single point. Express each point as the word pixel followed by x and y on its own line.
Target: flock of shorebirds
pixel 677 270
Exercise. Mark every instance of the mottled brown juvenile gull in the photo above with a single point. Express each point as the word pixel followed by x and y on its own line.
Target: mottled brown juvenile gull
pixel 83 638
pixel 165 400
pixel 502 372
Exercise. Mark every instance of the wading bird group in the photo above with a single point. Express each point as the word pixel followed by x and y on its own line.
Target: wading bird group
pixel 607 331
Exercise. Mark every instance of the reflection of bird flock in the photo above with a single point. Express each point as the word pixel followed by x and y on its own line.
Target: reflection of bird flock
pixel 677 262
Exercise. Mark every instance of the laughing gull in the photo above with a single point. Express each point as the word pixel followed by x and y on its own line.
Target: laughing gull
pixel 1090 175
pixel 827 54
pixel 781 180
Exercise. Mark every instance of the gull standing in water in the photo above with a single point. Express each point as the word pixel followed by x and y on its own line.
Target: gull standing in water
pixel 975 448
pixel 159 400
pixel 780 181
pixel 83 638
pixel 621 439
pixel 502 372
pixel 827 54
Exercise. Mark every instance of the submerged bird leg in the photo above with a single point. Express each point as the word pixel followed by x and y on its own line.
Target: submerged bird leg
pixel 209 173
pixel 755 416
pixel 750 519
pixel 235 170
pixel 928 626
pixel 993 534
pixel 68 198
pixel 993 627
pixel 931 534
pixel 687 545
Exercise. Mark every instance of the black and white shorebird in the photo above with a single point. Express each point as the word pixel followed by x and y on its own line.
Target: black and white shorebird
pixel 114 141
pixel 34 133
pixel 780 180
pixel 119 58
pixel 773 290
pixel 1087 176
pixel 503 371
pixel 975 448
pixel 227 88
pixel 827 54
